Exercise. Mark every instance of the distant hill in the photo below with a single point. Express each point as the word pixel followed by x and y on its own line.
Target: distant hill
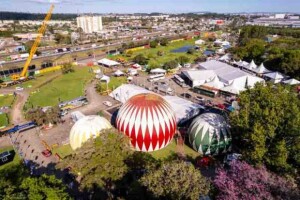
pixel 34 16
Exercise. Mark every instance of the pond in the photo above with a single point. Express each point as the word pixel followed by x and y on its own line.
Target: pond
pixel 183 49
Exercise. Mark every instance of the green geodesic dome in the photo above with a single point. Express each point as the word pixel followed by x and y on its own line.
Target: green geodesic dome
pixel 209 134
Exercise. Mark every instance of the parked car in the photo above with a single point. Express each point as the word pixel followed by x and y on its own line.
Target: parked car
pixel 107 103
pixel 198 98
pixel 221 106
pixel 186 95
pixel 47 153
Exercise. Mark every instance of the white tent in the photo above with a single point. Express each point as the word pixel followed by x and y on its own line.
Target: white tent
pixel 227 57
pixel 261 69
pixel 276 77
pixel 252 80
pixel 183 108
pixel 158 71
pixel 108 63
pixel 291 82
pixel 105 79
pixel 215 83
pixel 199 42
pixel 118 73
pixel 199 77
pixel 233 88
pixel 252 66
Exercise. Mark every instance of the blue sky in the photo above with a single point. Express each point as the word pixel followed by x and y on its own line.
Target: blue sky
pixel 169 6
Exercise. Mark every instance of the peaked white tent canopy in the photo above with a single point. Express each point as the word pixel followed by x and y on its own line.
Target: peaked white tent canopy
pixel 276 77
pixel 215 83
pixel 261 69
pixel 292 82
pixel 233 88
pixel 252 66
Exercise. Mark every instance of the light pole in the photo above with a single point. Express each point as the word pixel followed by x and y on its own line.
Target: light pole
pixel 1 62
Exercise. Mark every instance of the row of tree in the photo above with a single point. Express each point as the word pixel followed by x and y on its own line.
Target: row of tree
pixel 282 54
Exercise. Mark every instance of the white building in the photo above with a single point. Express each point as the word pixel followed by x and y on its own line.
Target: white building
pixel 90 24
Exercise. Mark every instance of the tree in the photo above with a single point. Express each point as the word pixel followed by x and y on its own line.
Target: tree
pixel 191 51
pixel 153 44
pixel 102 161
pixel 164 42
pixel 183 60
pixel 28 46
pixel 242 181
pixel 62 39
pixel 170 65
pixel 16 183
pixel 200 59
pixel 140 59
pixel 51 115
pixel 175 180
pixel 67 68
pixel 266 128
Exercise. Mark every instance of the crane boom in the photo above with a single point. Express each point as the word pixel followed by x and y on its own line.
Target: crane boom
pixel 36 43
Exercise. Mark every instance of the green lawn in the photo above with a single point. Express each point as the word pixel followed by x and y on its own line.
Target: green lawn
pixel 3 120
pixel 171 149
pixel 63 151
pixel 16 160
pixel 6 100
pixel 65 87
pixel 114 83
pixel 66 150
pixel 155 60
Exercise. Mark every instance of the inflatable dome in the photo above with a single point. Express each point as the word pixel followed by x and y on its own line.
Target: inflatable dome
pixel 209 134
pixel 86 128
pixel 148 120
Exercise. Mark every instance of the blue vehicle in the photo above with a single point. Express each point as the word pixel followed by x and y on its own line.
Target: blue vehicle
pixel 19 128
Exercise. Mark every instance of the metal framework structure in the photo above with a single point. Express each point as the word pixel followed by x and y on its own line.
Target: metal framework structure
pixel 35 45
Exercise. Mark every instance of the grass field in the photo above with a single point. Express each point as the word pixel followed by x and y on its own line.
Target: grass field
pixel 65 87
pixel 6 100
pixel 16 160
pixel 63 151
pixel 171 149
pixel 157 61
pixel 114 83
pixel 3 119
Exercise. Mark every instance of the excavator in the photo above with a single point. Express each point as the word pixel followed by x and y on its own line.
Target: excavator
pixel 23 75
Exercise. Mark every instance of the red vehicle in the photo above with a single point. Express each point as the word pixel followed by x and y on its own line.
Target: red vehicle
pixel 221 106
pixel 47 153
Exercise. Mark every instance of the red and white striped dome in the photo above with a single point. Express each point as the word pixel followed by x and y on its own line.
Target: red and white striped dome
pixel 148 120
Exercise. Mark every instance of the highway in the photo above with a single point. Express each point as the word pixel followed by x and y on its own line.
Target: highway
pixel 100 49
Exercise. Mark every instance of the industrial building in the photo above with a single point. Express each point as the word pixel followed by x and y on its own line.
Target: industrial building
pixel 90 24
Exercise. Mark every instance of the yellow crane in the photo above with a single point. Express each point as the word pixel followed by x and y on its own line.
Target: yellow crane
pixel 34 47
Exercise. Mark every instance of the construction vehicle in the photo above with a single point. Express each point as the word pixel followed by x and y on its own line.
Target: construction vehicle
pixel 23 75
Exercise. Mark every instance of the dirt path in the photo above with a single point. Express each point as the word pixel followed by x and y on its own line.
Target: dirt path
pixel 16 111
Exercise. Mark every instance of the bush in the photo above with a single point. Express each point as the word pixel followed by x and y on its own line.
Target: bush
pixel 164 42
pixel 191 51
pixel 140 59
pixel 67 68
pixel 153 44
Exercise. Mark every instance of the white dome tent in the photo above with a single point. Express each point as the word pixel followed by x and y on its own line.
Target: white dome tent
pixel 86 128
